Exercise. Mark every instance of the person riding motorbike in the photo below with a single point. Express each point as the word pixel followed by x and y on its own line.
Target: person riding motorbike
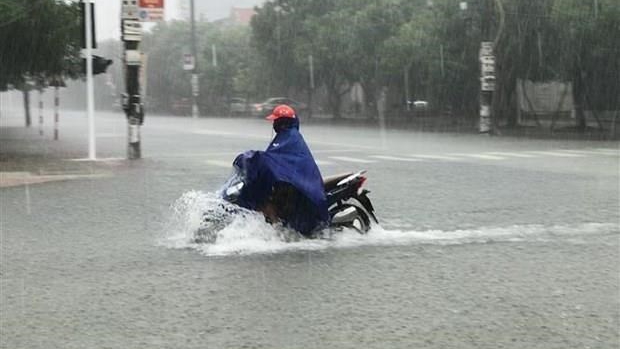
pixel 284 182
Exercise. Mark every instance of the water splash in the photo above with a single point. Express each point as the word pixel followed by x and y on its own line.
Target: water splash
pixel 246 232
pixel 205 222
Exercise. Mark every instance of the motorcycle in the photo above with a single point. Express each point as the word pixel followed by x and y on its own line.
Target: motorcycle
pixel 348 205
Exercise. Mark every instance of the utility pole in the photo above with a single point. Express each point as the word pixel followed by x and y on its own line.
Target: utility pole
pixel 311 88
pixel 214 55
pixel 133 106
pixel 194 82
pixel 406 82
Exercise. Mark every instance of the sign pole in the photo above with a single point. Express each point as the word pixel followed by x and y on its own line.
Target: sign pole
pixel 56 111
pixel 90 93
pixel 194 82
pixel 40 112
pixel 487 85
pixel 132 100
pixel 133 13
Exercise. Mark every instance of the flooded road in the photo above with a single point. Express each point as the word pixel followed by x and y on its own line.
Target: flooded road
pixel 484 242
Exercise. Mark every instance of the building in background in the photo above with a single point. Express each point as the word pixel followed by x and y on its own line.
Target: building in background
pixel 241 16
pixel 207 10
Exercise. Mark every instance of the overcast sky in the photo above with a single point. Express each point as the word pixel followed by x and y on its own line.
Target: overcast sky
pixel 108 12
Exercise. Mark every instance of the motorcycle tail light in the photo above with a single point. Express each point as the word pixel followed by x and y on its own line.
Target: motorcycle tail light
pixel 362 181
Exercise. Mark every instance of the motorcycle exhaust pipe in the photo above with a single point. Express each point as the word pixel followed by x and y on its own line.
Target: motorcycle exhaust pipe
pixel 345 216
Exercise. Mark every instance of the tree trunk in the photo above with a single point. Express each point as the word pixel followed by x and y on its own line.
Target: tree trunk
pixel 369 100
pixel 505 103
pixel 579 100
pixel 334 99
pixel 26 94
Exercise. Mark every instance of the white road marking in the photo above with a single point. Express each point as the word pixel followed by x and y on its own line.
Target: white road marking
pixel 555 153
pixel 348 159
pixel 97 159
pixel 435 157
pixel 225 134
pixel 196 155
pixel 394 158
pixel 588 152
pixel 516 155
pixel 325 151
pixel 110 135
pixel 323 162
pixel 608 151
pixel 341 145
pixel 12 179
pixel 220 163
pixel 479 156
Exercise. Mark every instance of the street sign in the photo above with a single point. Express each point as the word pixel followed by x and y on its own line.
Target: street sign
pixel 188 61
pixel 487 83
pixel 151 15
pixel 132 30
pixel 129 9
pixel 490 59
pixel 152 3
pixel 486 48
pixel 487 66
pixel 133 57
pixel 151 10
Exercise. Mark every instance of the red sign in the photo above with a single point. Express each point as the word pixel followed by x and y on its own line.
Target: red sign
pixel 152 3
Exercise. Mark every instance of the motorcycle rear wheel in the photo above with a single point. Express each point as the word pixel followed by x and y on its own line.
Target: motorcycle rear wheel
pixel 360 222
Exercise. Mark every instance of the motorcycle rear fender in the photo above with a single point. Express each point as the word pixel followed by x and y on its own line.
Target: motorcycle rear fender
pixel 365 201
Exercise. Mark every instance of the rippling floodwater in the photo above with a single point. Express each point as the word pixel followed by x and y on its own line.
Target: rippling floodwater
pixel 517 253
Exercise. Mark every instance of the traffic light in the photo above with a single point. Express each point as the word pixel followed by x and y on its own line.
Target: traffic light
pixel 83 25
pixel 100 65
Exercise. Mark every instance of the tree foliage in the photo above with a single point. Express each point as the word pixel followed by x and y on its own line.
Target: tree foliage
pixel 39 41
pixel 231 77
pixel 435 43
pixel 418 49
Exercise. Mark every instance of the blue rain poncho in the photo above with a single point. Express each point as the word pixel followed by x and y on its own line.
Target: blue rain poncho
pixel 288 160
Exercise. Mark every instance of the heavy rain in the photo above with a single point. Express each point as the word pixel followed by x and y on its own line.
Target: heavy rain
pixel 309 174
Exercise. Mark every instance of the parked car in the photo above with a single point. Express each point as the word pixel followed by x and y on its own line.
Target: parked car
pixel 265 108
pixel 418 104
pixel 238 106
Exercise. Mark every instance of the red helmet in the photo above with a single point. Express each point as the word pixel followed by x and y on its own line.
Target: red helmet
pixel 281 111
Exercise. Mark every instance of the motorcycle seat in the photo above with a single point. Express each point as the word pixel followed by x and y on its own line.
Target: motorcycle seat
pixel 331 182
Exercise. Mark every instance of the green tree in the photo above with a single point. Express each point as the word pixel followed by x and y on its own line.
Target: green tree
pixel 236 73
pixel 278 30
pixel 588 33
pixel 226 75
pixel 39 41
pixel 166 79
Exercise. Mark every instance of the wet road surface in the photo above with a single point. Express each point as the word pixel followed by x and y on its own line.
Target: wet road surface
pixel 484 243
